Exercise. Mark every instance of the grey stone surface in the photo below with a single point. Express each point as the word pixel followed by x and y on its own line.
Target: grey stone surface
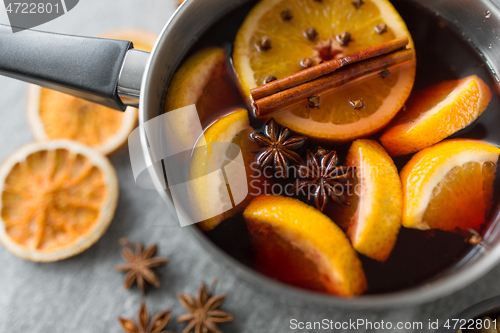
pixel 85 295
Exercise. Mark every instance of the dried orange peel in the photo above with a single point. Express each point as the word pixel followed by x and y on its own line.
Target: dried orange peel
pixel 54 115
pixel 58 197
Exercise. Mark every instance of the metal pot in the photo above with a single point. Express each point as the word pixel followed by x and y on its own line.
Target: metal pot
pixel 108 72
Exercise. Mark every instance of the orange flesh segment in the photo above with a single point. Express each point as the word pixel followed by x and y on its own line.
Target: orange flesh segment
pixel 373 219
pixel 219 95
pixel 463 199
pixel 52 199
pixel 205 80
pixel 343 215
pixel 289 44
pixel 373 90
pixel 318 251
pixel 278 259
pixel 449 185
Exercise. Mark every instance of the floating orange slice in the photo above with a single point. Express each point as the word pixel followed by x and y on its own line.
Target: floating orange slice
pixel 449 185
pixel 373 218
pixel 54 115
pixel 285 25
pixel 57 199
pixel 203 80
pixel 435 114
pixel 298 244
pixel 211 200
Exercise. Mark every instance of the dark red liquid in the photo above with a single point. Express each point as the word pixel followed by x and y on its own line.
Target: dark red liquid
pixel 418 256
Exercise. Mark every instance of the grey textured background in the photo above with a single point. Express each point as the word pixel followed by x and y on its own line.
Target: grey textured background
pixel 84 294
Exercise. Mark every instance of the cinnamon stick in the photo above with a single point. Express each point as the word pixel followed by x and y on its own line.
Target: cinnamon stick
pixel 338 78
pixel 326 68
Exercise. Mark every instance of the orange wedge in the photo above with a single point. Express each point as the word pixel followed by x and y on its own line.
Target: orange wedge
pixel 203 80
pixel 449 185
pixel 58 198
pixel 298 244
pixel 435 114
pixel 54 115
pixel 211 200
pixel 373 218
pixel 336 119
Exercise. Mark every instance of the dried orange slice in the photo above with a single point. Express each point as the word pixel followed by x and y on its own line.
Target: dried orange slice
pixel 58 198
pixel 373 218
pixel 298 244
pixel 336 119
pixel 54 115
pixel 435 114
pixel 449 185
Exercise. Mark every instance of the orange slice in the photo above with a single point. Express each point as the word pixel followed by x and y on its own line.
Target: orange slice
pixel 58 198
pixel 435 114
pixel 449 185
pixel 54 115
pixel 211 200
pixel 203 80
pixel 298 244
pixel 336 119
pixel 373 218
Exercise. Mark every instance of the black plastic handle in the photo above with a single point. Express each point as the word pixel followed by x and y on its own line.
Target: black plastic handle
pixel 84 67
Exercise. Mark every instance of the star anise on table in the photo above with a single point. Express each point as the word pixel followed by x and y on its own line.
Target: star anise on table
pixel 158 322
pixel 323 178
pixel 140 264
pixel 278 147
pixel 203 316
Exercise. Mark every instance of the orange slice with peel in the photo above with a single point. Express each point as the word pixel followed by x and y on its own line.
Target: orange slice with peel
pixel 336 120
pixel 291 235
pixel 54 115
pixel 449 185
pixel 203 80
pixel 373 218
pixel 435 114
pixel 210 195
pixel 57 199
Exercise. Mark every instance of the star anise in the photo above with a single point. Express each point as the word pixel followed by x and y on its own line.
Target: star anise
pixel 139 265
pixel 158 322
pixel 323 178
pixel 278 147
pixel 203 316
